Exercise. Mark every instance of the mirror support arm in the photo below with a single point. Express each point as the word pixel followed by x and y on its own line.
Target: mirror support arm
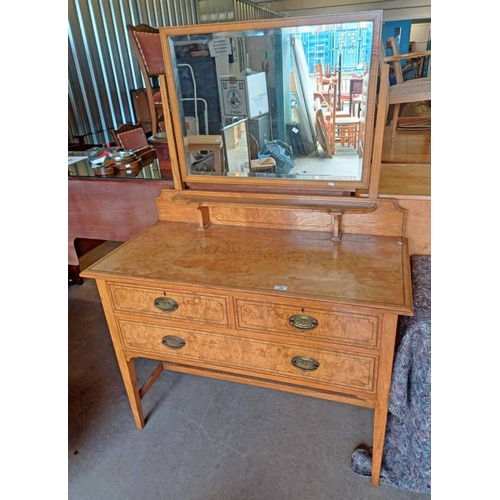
pixel 336 233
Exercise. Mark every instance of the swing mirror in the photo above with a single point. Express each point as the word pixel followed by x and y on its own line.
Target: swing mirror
pixel 294 94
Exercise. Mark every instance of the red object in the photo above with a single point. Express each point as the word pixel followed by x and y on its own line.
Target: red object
pixel 163 153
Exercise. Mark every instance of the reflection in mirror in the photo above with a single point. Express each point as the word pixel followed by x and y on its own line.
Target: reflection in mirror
pixel 236 150
pixel 297 95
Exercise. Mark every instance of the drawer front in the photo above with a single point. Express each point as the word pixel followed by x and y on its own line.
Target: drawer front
pixel 335 370
pixel 314 323
pixel 192 307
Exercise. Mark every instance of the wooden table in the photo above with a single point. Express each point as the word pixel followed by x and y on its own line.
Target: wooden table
pixel 274 306
pixel 108 208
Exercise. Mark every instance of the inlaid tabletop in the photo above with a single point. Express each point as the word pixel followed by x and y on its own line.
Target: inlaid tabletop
pixel 362 270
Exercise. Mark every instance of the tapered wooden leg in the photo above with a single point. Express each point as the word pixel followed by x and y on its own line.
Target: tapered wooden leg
pixel 389 326
pixel 379 425
pixel 127 367
pixel 130 380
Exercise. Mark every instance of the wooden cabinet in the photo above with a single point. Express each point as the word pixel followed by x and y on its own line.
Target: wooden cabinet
pixel 277 307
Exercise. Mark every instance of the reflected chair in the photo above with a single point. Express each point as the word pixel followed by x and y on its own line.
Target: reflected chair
pixel 322 80
pixel 128 136
pixel 402 92
pixel 355 95
pixel 322 132
pixel 325 122
pixel 418 89
pixel 351 90
pixel 146 43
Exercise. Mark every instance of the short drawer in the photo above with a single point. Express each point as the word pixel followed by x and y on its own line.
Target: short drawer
pixel 346 328
pixel 321 368
pixel 192 307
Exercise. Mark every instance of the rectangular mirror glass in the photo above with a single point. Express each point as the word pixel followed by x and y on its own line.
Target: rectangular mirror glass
pixel 294 96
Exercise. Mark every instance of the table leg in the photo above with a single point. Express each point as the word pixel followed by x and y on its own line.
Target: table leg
pixel 388 339
pixel 127 366
pixel 379 425
pixel 130 380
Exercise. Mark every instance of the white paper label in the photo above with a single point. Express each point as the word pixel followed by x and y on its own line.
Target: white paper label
pixel 220 47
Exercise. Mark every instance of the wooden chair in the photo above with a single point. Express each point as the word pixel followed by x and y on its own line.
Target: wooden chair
pixel 415 90
pixel 325 122
pixel 418 89
pixel 355 95
pixel 322 132
pixel 147 47
pixel 132 137
pixel 322 80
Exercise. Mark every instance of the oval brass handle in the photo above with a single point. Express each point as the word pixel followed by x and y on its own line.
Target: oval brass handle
pixel 173 342
pixel 165 304
pixel 303 322
pixel 305 363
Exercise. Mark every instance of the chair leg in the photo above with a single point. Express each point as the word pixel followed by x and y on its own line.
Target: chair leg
pixel 394 122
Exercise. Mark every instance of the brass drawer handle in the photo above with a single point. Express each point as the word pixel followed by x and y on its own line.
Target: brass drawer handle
pixel 173 342
pixel 303 322
pixel 165 304
pixel 305 363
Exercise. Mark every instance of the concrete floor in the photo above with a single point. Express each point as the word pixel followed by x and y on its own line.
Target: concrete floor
pixel 204 439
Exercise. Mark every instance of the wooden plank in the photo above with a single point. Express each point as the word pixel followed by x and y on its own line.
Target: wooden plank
pixel 378 137
pixel 403 181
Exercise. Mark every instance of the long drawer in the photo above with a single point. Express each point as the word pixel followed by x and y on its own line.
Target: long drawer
pixel 171 304
pixel 321 368
pixel 315 323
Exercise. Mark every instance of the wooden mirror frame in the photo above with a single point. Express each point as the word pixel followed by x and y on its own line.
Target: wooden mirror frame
pixel 174 127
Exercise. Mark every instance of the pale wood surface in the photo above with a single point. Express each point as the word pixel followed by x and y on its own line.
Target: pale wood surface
pixel 410 91
pixel 204 308
pixel 404 181
pixel 230 208
pixel 341 205
pixel 253 259
pixel 407 146
pixel 406 177
pixel 418 225
pixel 203 142
pixel 345 326
pixel 354 371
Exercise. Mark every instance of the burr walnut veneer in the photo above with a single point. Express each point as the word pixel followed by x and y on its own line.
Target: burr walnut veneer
pixel 258 292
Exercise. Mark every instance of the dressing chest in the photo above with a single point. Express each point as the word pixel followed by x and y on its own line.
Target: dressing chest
pixel 265 296
pixel 281 279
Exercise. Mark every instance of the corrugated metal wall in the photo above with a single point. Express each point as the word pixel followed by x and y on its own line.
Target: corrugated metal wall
pixel 102 68
pixel 215 11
